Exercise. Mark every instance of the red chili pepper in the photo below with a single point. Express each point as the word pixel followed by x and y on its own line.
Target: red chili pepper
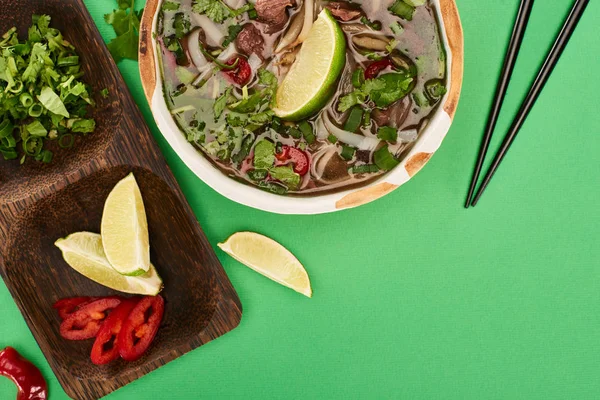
pixel 105 347
pixel 29 380
pixel 68 306
pixel 376 67
pixel 141 326
pixel 241 74
pixel 86 322
pixel 298 157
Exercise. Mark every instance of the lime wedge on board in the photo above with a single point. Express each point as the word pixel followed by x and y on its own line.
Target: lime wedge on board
pixel 124 229
pixel 83 251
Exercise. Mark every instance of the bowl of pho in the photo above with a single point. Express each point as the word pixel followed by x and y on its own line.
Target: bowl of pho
pixel 302 106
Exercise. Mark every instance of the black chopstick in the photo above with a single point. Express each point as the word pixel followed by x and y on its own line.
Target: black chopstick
pixel 535 90
pixel 507 70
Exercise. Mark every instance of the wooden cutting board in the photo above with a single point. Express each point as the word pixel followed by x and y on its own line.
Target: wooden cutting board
pixel 40 203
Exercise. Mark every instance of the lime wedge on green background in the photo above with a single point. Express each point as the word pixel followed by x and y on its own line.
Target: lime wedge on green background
pixel 124 229
pixel 84 252
pixel 311 80
pixel 268 258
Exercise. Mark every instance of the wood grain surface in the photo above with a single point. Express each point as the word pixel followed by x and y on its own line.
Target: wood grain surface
pixel 40 203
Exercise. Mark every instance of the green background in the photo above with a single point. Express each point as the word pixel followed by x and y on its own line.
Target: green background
pixel 416 297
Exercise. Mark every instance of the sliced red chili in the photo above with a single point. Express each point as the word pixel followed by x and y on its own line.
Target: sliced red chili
pixel 86 322
pixel 105 347
pixel 29 380
pixel 298 158
pixel 141 326
pixel 376 67
pixel 68 306
pixel 241 74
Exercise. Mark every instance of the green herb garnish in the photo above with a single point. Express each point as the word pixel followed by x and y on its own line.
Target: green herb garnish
pixel 234 31
pixel 41 96
pixel 388 134
pixel 218 11
pixel 126 24
pixel 402 10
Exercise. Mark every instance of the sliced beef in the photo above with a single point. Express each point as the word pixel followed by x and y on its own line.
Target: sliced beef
pixel 250 41
pixel 394 115
pixel 273 13
pixel 344 11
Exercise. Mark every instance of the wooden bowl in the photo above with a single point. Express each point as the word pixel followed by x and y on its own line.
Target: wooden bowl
pixel 427 144
pixel 40 203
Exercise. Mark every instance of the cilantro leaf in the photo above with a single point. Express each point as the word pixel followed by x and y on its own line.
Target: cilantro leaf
pixel 126 25
pixel 234 31
pixel 264 154
pixel 221 103
pixel 170 6
pixel 181 24
pixel 286 175
pixel 213 9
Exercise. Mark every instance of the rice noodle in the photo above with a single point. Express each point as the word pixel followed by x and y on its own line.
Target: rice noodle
pixel 353 139
pixel 198 58
pixel 214 36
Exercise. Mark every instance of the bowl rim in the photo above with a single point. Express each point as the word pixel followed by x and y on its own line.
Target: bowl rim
pixel 428 143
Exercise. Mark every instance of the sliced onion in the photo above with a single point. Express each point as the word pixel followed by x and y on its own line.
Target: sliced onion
pixel 214 36
pixel 353 139
pixel 293 31
pixel 194 48
pixel 408 136
pixel 309 19
pixel 205 74
pixel 255 62
pixel 227 53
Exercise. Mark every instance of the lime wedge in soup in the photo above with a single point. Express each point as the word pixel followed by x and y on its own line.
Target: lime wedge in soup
pixel 311 80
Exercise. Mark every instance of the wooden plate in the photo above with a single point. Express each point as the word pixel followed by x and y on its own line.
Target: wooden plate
pixel 40 203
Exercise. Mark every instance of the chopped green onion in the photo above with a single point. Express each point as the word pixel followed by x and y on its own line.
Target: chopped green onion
pixel 6 128
pixel 388 134
pixel 384 159
pixel 375 25
pixel 183 109
pixel 365 169
pixel 35 110
pixel 348 152
pixel 397 28
pixel 332 139
pixel 70 140
pixel 295 133
pixel 36 129
pixel 434 90
pixel 32 146
pixel 45 156
pixel 354 120
pixel 26 100
pixel 358 78
pixel 307 132
pixel 367 119
pixel 402 10
pixel 67 61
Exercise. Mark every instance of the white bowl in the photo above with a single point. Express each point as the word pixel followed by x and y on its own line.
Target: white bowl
pixel 429 140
